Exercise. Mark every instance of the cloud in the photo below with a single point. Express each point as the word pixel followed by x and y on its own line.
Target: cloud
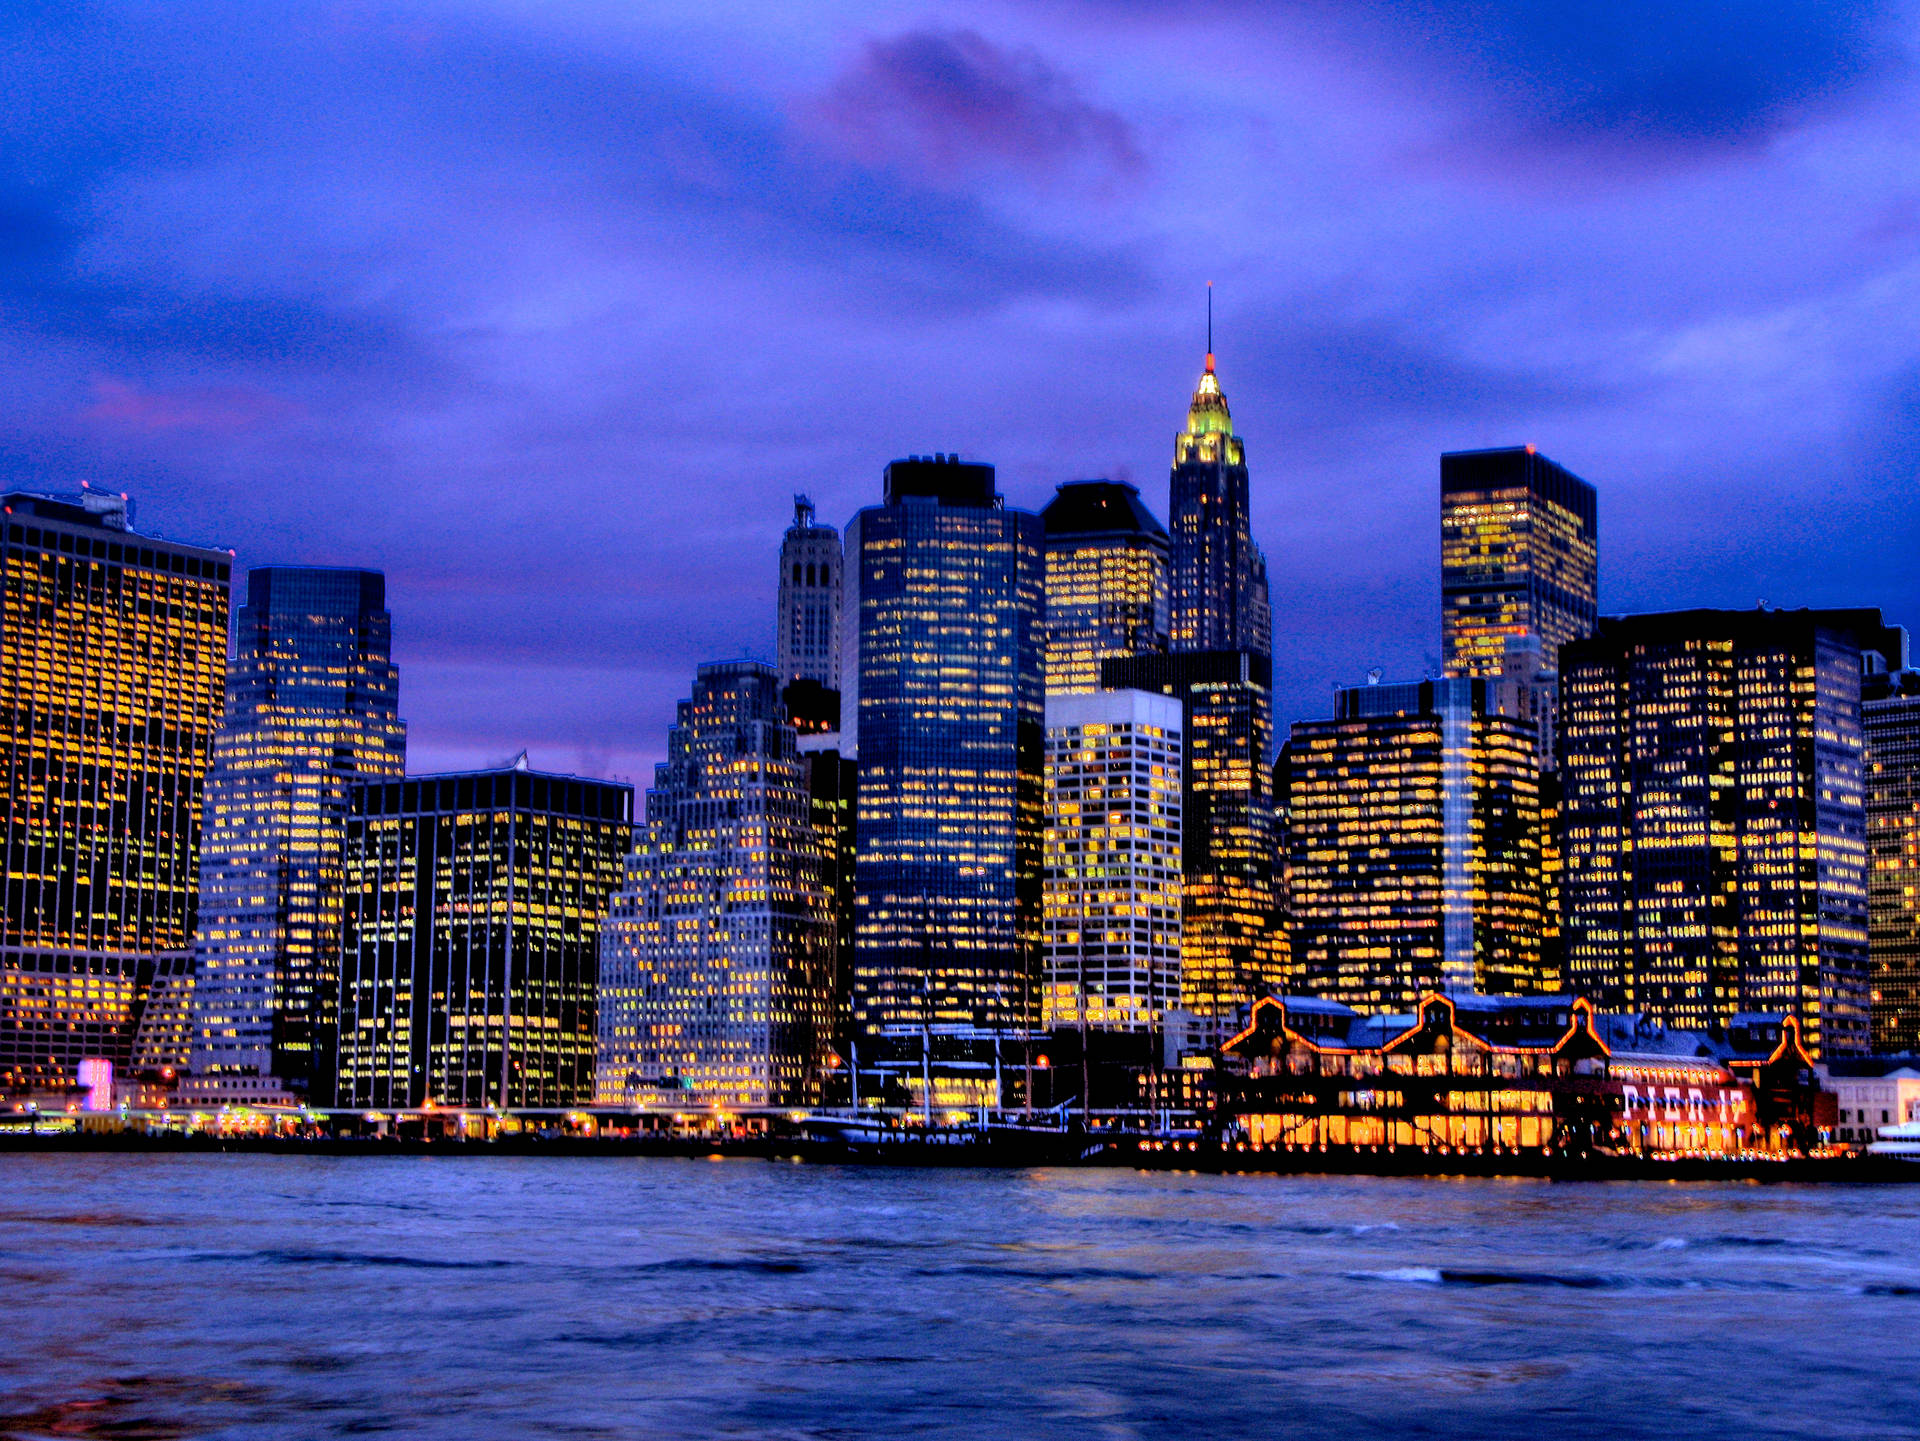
pixel 950 104
pixel 210 408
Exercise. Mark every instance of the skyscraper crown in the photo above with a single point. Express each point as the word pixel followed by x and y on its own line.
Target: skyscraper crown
pixel 1208 415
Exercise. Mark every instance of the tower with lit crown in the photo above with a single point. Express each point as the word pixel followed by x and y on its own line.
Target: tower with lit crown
pixel 1217 577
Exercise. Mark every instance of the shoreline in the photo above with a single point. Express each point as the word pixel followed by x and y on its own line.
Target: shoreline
pixel 1020 1153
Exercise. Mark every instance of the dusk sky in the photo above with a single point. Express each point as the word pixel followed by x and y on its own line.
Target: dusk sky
pixel 547 309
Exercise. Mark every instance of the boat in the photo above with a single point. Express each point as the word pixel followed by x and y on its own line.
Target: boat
pixel 1901 1142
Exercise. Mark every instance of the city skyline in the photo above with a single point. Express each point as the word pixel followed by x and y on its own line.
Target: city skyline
pixel 1523 236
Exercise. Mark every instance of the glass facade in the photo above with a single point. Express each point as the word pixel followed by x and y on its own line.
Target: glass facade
pixel 113 654
pixel 1714 825
pixel 470 951
pixel 312 705
pixel 1112 895
pixel 946 721
pixel 1217 577
pixel 809 605
pixel 1233 950
pixel 1519 558
pixel 1106 582
pixel 1891 713
pixel 717 960
pixel 1414 848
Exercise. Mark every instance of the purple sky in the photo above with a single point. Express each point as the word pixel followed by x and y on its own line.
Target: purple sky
pixel 547 309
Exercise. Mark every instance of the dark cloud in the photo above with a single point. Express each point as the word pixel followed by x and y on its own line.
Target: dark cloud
pixel 951 103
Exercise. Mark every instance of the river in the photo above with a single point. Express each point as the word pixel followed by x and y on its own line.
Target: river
pixel 156 1297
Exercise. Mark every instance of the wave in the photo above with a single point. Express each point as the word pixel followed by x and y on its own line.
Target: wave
pixel 287 1257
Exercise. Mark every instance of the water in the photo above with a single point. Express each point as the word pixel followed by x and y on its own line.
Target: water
pixel 155 1297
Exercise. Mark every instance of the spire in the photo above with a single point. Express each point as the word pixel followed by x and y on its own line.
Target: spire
pixel 1208 414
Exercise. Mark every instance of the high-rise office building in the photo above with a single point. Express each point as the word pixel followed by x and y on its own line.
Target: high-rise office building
pixel 1519 559
pixel 1106 582
pixel 312 706
pixel 717 959
pixel 1414 840
pixel 469 957
pixel 1714 822
pixel 809 606
pixel 1112 896
pixel 945 712
pixel 1890 713
pixel 1217 577
pixel 113 654
pixel 1232 950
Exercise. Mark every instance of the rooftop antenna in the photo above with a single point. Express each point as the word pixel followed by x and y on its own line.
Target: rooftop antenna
pixel 1209 327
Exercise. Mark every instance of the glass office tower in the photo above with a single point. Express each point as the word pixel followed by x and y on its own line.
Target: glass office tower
pixel 1232 948
pixel 945 715
pixel 113 655
pixel 717 959
pixel 1113 860
pixel 1519 559
pixel 1414 838
pixel 1217 577
pixel 1106 582
pixel 1890 712
pixel 469 959
pixel 312 706
pixel 1714 820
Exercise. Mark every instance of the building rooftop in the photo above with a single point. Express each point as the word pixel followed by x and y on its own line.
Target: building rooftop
pixel 1100 507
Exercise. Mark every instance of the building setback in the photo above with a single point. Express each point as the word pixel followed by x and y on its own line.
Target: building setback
pixel 1217 577
pixel 469 953
pixel 1414 848
pixel 1113 860
pixel 1232 950
pixel 1106 582
pixel 809 603
pixel 717 959
pixel 312 706
pixel 113 653
pixel 945 716
pixel 1714 823
pixel 1890 713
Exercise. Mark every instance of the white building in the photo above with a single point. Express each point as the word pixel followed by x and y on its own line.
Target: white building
pixel 809 600
pixel 1112 883
pixel 1869 1102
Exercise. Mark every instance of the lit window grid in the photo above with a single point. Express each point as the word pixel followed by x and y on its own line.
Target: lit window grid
pixel 1513 564
pixel 1714 856
pixel 113 659
pixel 1112 893
pixel 951 813
pixel 1106 596
pixel 1892 729
pixel 469 962
pixel 718 957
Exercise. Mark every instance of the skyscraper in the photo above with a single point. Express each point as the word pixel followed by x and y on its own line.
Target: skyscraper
pixel 312 706
pixel 717 959
pixel 1113 860
pixel 1106 582
pixel 1217 577
pixel 113 653
pixel 1232 950
pixel 1890 712
pixel 1519 559
pixel 809 600
pixel 470 954
pixel 1414 835
pixel 1714 822
pixel 945 713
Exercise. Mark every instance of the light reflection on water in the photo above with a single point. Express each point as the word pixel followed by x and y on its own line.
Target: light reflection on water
pixel 160 1297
